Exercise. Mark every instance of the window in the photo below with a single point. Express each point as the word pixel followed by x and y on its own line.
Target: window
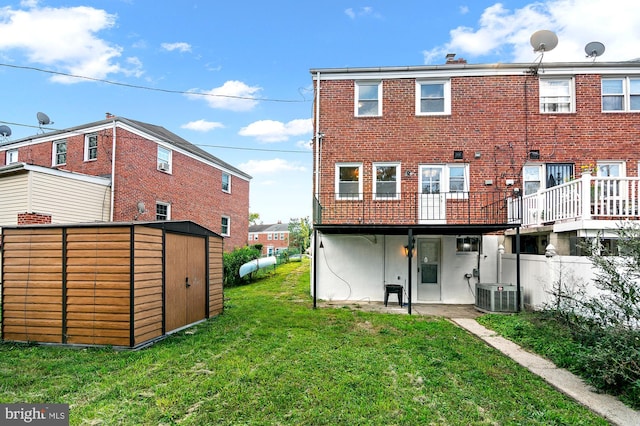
pixel 386 184
pixel 225 226
pixel 12 156
pixel 282 236
pixel 348 181
pixel 531 178
pixel 59 153
pixel 433 97
pixel 452 179
pixel 269 236
pixel 368 99
pixel 458 178
pixel 91 147
pixel 164 159
pixel 226 182
pixel 621 94
pixel 558 173
pixel 611 169
pixel 163 211
pixel 275 236
pixel 467 245
pixel 556 95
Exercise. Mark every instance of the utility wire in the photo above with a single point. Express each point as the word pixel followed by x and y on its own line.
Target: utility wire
pixel 155 89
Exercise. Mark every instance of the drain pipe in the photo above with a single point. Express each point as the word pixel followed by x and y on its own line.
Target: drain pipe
pixel 113 169
pixel 499 271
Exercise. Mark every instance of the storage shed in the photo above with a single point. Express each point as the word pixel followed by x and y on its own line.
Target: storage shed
pixel 120 284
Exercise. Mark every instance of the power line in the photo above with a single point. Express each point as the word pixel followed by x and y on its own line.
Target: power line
pixel 155 89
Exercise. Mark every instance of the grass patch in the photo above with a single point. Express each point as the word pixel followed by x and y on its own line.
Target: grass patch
pixel 272 359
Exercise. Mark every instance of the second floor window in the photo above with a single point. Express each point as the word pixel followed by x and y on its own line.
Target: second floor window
pixel 12 156
pixel 433 97
pixel 164 159
pixel 163 211
pixel 368 99
pixel 556 95
pixel 91 147
pixel 387 181
pixel 349 181
pixel 620 94
pixel 226 182
pixel 59 153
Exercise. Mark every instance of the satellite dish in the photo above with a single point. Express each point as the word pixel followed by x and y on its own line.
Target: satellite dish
pixel 594 49
pixel 43 119
pixel 543 41
pixel 5 131
pixel 141 208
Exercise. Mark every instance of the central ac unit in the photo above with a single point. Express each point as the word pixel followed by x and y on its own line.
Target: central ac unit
pixel 496 297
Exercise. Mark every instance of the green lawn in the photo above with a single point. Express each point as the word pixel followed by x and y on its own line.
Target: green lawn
pixel 272 359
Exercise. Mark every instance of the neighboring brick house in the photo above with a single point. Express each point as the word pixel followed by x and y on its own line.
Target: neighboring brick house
pixel 150 173
pixel 422 173
pixel 273 237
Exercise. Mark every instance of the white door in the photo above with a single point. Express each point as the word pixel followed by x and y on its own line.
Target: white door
pixel 429 270
pixel 432 205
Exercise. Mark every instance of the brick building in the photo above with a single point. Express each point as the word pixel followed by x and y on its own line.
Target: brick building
pixel 121 170
pixel 273 237
pixel 422 173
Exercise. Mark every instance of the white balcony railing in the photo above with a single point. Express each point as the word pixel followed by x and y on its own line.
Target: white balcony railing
pixel 586 198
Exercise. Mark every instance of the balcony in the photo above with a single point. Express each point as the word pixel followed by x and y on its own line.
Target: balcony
pixel 587 198
pixel 410 208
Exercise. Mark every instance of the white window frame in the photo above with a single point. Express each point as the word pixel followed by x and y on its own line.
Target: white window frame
pixel 91 137
pixel 11 156
pixel 223 232
pixel 604 171
pixel 269 236
pixel 447 181
pixel 540 179
pixel 164 155
pixel 228 186
pixel 398 182
pixel 446 88
pixel 282 236
pixel 625 94
pixel 168 206
pixel 358 85
pixel 55 152
pixel 337 180
pixel 548 98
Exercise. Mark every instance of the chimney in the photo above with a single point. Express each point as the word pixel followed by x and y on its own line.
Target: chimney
pixel 109 115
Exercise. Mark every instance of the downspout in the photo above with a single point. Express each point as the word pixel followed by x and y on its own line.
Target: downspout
pixel 113 170
pixel 518 269
pixel 317 136
pixel 315 268
pixel 409 256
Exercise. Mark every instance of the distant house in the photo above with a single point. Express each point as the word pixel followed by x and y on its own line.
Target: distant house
pixel 274 237
pixel 121 170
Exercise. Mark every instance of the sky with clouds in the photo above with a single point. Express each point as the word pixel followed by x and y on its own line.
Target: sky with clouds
pixel 233 77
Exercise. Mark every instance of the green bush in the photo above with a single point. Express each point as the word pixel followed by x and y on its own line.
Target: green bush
pixel 233 261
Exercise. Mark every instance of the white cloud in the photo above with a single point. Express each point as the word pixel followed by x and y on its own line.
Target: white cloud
pixel 277 131
pixel 464 10
pixel 362 12
pixel 232 95
pixel 304 145
pixel 202 125
pixel 63 38
pixel 277 165
pixel 505 33
pixel 180 46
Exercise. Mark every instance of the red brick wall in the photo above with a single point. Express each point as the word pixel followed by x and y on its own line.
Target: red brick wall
pixel 265 241
pixel 193 189
pixel 33 218
pixel 496 116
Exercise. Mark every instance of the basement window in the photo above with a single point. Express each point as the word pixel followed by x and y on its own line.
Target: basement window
pixel 467 245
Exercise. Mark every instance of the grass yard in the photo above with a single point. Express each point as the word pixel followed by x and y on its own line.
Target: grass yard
pixel 272 359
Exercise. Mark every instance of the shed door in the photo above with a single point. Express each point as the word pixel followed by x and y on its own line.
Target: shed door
pixel 185 283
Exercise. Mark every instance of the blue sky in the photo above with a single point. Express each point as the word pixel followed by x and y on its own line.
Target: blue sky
pixel 251 60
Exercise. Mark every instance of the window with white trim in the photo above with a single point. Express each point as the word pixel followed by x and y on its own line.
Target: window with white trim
pixel 349 181
pixel 532 179
pixel 433 97
pixel 282 236
pixel 620 94
pixel 467 245
pixel 163 211
pixel 368 99
pixel 60 152
pixel 226 182
pixel 556 95
pixel 11 156
pixel 269 236
pixel 458 177
pixel 90 147
pixel 386 181
pixel 164 159
pixel 225 226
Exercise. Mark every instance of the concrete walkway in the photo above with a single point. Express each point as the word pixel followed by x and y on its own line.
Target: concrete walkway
pixel 605 405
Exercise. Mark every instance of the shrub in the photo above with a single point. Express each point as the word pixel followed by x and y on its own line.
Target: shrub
pixel 233 261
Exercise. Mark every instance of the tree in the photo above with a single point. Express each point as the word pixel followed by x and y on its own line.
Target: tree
pixel 254 218
pixel 299 233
